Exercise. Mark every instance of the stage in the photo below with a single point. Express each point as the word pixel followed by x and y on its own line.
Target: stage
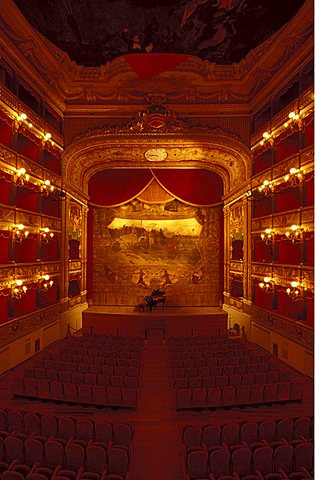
pixel 170 321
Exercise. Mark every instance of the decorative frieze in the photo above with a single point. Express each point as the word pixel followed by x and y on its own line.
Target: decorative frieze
pixel 22 325
pixel 297 332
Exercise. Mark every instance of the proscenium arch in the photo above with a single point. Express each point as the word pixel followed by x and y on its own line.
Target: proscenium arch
pixel 105 149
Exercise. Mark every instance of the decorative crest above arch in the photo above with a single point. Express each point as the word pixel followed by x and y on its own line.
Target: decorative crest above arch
pixel 204 148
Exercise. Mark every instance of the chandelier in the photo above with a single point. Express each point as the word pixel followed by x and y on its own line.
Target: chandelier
pixel 18 289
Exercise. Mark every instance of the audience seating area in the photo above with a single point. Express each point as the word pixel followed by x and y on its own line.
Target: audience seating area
pixel 249 450
pixel 221 372
pixel 102 371
pixel 43 447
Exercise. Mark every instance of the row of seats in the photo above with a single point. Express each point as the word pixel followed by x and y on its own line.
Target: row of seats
pixel 101 359
pixel 207 371
pixel 234 433
pixel 64 427
pixel 85 367
pixel 216 397
pixel 200 339
pixel 96 355
pixel 16 471
pixel 118 380
pixel 99 395
pixel 234 380
pixel 182 360
pixel 262 461
pixel 106 339
pixel 237 349
pixel 230 359
pixel 70 455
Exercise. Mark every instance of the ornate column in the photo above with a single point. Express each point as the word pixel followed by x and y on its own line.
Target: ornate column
pixel 226 215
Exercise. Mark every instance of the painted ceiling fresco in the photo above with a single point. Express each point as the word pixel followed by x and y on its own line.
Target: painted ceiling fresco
pixel 94 32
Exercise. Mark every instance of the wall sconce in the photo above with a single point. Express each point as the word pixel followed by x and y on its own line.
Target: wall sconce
pixel 294 177
pixel 267 285
pixel 18 289
pixel 295 292
pixel 267 138
pixel 44 283
pixel 46 235
pixel 46 137
pixel 19 121
pixel 47 188
pixel 294 118
pixel 294 234
pixel 266 188
pixel 21 177
pixel 19 233
pixel 267 236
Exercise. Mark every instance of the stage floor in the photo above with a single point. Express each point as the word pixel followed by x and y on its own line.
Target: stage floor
pixel 174 320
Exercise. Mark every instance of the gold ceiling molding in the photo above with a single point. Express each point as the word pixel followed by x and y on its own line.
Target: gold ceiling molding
pixel 204 148
pixel 52 71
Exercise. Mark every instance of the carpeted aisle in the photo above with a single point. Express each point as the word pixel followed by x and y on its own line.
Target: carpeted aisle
pixel 156 452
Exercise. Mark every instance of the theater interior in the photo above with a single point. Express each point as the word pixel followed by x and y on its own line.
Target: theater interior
pixel 156 240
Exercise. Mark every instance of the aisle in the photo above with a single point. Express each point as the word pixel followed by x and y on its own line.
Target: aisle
pixel 156 452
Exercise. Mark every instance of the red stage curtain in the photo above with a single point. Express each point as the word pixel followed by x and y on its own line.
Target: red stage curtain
pixel 147 65
pixel 26 199
pixel 262 161
pixel 262 252
pixel 114 187
pixel 287 147
pixel 199 187
pixel 5 188
pixel 288 199
pixel 5 134
pixel 288 252
pixel 262 298
pixel 4 305
pixel 27 303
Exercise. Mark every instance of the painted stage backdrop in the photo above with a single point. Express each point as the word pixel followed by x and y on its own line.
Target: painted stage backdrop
pixel 139 247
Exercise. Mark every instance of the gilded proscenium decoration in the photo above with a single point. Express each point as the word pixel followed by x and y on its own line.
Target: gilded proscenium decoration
pixel 156 154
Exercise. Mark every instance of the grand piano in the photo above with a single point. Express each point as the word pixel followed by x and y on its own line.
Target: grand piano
pixel 156 297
